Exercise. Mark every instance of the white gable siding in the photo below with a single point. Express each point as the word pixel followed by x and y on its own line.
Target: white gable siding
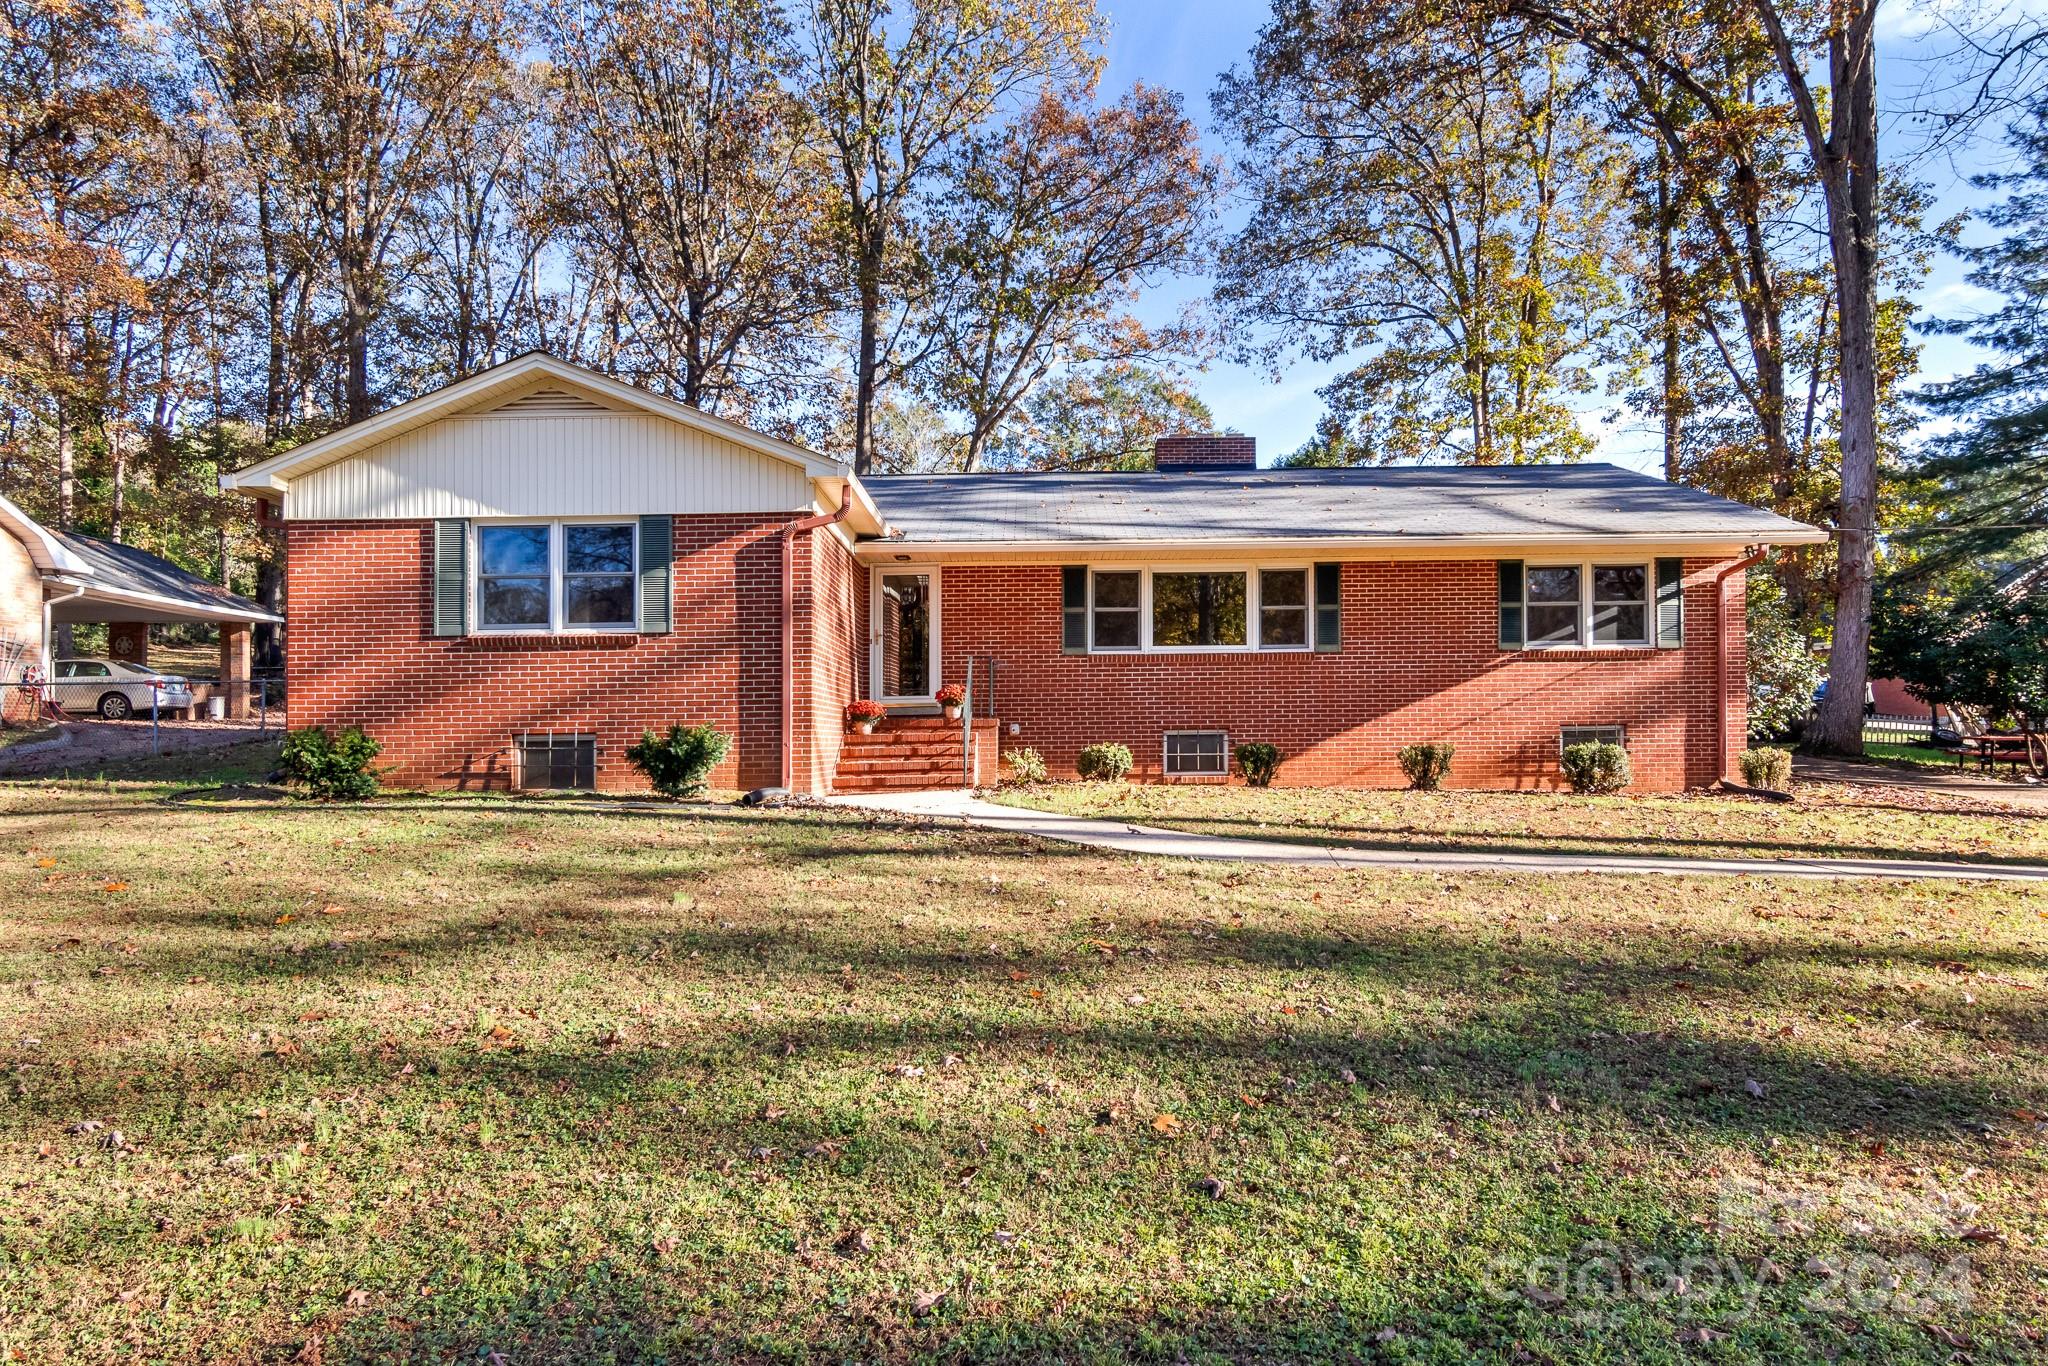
pixel 559 465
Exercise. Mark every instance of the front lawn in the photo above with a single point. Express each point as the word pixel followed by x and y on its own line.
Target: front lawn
pixel 437 1079
pixel 1828 820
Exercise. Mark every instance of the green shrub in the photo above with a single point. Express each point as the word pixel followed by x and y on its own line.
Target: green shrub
pixel 1766 766
pixel 1026 765
pixel 676 764
pixel 1108 761
pixel 333 768
pixel 1426 765
pixel 1258 761
pixel 1597 766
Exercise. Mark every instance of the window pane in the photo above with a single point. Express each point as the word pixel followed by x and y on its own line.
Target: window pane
pixel 1116 630
pixel 598 600
pixel 597 549
pixel 1116 611
pixel 1553 625
pixel 1622 625
pixel 1116 590
pixel 1197 752
pixel 906 635
pixel 1198 609
pixel 1283 588
pixel 512 550
pixel 1283 626
pixel 1554 584
pixel 1620 583
pixel 513 602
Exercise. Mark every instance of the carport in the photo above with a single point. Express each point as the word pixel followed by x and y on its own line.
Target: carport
pixel 89 579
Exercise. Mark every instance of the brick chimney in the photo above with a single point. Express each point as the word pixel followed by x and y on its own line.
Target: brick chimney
pixel 1183 454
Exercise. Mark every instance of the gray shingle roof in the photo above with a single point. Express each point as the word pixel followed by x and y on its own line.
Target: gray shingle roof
pixel 123 567
pixel 1402 503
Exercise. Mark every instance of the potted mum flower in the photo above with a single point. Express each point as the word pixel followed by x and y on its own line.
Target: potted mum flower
pixel 865 715
pixel 951 698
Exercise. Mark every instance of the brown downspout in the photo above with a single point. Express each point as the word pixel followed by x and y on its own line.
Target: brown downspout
pixel 789 534
pixel 1721 633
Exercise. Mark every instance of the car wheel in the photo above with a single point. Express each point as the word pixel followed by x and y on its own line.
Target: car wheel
pixel 115 706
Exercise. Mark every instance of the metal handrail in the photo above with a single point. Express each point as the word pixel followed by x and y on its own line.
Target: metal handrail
pixel 967 729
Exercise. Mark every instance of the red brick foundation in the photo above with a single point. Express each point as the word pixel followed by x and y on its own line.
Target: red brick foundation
pixel 1419 663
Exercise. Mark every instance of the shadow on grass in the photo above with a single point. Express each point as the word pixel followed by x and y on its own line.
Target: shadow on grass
pixel 1510 1018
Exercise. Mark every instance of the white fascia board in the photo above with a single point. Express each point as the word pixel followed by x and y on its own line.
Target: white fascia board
pixel 100 592
pixel 45 551
pixel 274 474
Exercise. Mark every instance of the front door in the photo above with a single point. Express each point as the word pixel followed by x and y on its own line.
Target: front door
pixel 903 616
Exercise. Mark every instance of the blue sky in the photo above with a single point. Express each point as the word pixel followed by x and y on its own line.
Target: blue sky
pixel 1185 46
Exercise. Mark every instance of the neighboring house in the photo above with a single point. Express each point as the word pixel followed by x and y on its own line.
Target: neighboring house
pixel 507 580
pixel 50 578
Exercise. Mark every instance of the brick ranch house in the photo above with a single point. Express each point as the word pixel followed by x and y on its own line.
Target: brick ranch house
pixel 507 580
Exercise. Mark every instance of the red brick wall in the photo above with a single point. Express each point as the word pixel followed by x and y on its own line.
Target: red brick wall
pixel 833 655
pixel 446 708
pixel 1419 663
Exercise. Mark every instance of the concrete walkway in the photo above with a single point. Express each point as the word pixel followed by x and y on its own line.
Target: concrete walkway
pixel 958 804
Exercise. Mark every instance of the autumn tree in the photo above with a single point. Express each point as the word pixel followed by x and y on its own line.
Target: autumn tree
pixel 1053 223
pixel 1101 417
pixel 699 166
pixel 1454 221
pixel 77 122
pixel 343 103
pixel 894 92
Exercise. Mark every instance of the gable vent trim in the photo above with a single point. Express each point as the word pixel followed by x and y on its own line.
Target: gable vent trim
pixel 551 401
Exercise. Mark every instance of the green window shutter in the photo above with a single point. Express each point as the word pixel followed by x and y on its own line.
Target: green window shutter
pixel 1329 608
pixel 1670 604
pixel 451 576
pixel 1511 637
pixel 657 555
pixel 1074 609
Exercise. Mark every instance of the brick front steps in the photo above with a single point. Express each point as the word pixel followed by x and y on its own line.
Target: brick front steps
pixel 914 753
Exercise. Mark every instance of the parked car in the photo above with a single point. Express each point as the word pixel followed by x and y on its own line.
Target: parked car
pixel 115 690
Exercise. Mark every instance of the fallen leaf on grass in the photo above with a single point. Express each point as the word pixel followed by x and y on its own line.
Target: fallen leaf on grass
pixel 115 887
pixel 926 1301
pixel 355 1299
pixel 1166 1124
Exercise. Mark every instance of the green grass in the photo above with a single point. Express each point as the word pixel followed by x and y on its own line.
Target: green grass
pixel 434 1078
pixel 1916 756
pixel 1825 821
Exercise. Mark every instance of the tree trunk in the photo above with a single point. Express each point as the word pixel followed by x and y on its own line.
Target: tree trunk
pixel 867 363
pixel 1849 171
pixel 1667 307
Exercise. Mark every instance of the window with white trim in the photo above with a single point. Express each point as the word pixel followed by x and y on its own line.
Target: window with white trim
pixel 1197 752
pixel 1283 609
pixel 1587 604
pixel 557 576
pixel 1198 609
pixel 1116 609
